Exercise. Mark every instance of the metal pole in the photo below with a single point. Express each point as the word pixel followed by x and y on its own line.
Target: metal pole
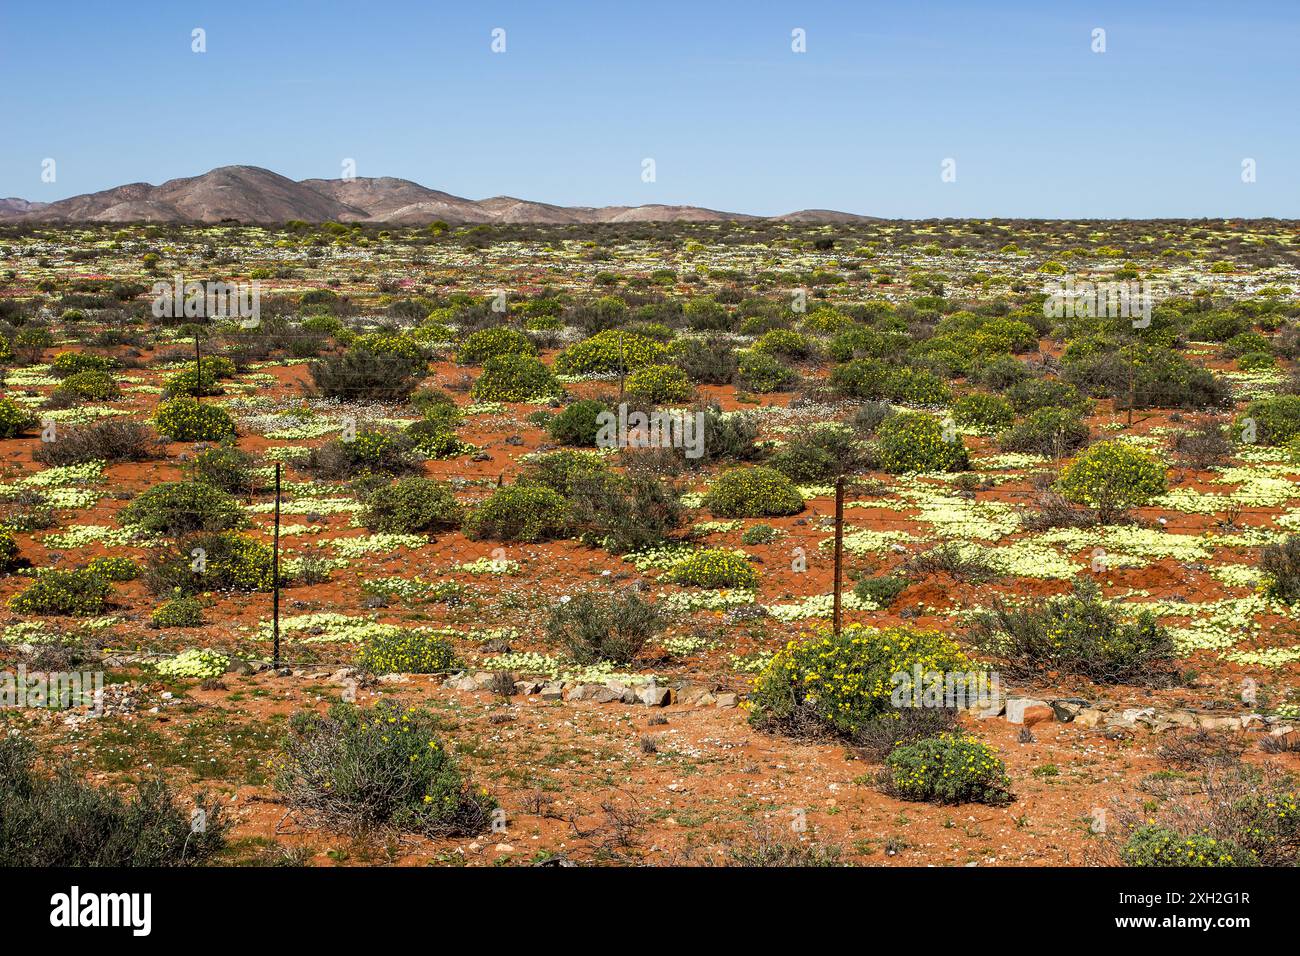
pixel 198 369
pixel 839 548
pixel 275 575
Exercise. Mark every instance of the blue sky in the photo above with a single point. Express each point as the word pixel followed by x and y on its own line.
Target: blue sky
pixel 1039 125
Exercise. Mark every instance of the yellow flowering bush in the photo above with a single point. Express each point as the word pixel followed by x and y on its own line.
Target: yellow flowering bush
pixel 1112 476
pixel 187 419
pixel 400 651
pixel 950 768
pixel 838 684
pixel 380 768
pixel 756 492
pixel 714 568
pixel 916 442
pixel 1158 846
pixel 659 383
pixel 610 351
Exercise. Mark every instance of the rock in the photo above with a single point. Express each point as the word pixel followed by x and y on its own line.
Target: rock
pixel 394 679
pixel 1219 723
pixel 1016 707
pixel 653 696
pixel 1088 717
pixel 1128 719
pixel 1039 714
pixel 1067 708
pixel 526 687
pixel 552 690
pixel 691 695
pixel 237 666
pixel 727 700
pixel 603 695
pixel 462 682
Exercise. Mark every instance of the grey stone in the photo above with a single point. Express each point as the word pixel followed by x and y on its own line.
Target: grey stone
pixel 727 700
pixel 1016 707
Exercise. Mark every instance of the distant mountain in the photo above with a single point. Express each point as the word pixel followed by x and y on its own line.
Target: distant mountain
pixel 255 195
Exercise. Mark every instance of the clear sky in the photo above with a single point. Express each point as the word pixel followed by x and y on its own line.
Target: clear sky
pixel 1039 125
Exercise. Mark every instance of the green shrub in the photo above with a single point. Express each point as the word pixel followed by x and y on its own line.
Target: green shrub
pixel 373 451
pixel 1047 431
pixel 1035 393
pixel 609 351
pixel 659 383
pixel 1271 420
pixel 179 612
pixel 623 513
pixel 1257 361
pixel 219 561
pixel 1079 634
pixel 826 451
pixel 14 419
pixel 917 442
pixel 406 651
pixel 1112 476
pixel 711 361
pixel 181 507
pixel 578 424
pixel 1280 564
pixel 982 410
pixel 785 343
pixel 224 467
pixel 759 534
pixel 8 551
pixel 881 591
pixel 764 373
pixel 1158 846
pixel 947 769
pixel 361 375
pixel 840 684
pixel 755 492
pixel 66 364
pixel 514 378
pixel 493 343
pixel 114 569
pixel 412 505
pixel 714 568
pixel 563 470
pixel 597 627
pixel 382 768
pixel 72 593
pixel 188 419
pixel 89 386
pixel 61 821
pixel 107 441
pixel 520 513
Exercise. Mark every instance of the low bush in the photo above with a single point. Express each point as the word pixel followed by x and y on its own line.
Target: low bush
pixel 755 492
pixel 594 627
pixel 826 451
pixel 494 342
pixel 882 590
pixel 1280 564
pixel 61 821
pixel 659 383
pixel 109 441
pixel 711 361
pixel 578 423
pixel 385 767
pixel 407 651
pixel 764 373
pixel 188 419
pixel 182 507
pixel 224 467
pixel 219 561
pixel 1150 846
pixel 610 351
pixel 369 452
pixel 114 569
pixel 70 593
pixel 181 611
pixel 1055 432
pixel 361 375
pixel 982 410
pixel 917 442
pixel 714 568
pixel 520 513
pixel 14 419
pixel 514 378
pixel 1078 634
pixel 623 513
pixel 1271 420
pixel 412 505
pixel 838 684
pixel 9 552
pixel 88 386
pixel 947 769
pixel 1112 476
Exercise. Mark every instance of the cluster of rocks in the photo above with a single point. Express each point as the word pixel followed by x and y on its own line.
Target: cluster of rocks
pixel 1032 710
pixel 649 693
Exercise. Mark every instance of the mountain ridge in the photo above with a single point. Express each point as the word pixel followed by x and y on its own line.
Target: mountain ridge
pixel 252 194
